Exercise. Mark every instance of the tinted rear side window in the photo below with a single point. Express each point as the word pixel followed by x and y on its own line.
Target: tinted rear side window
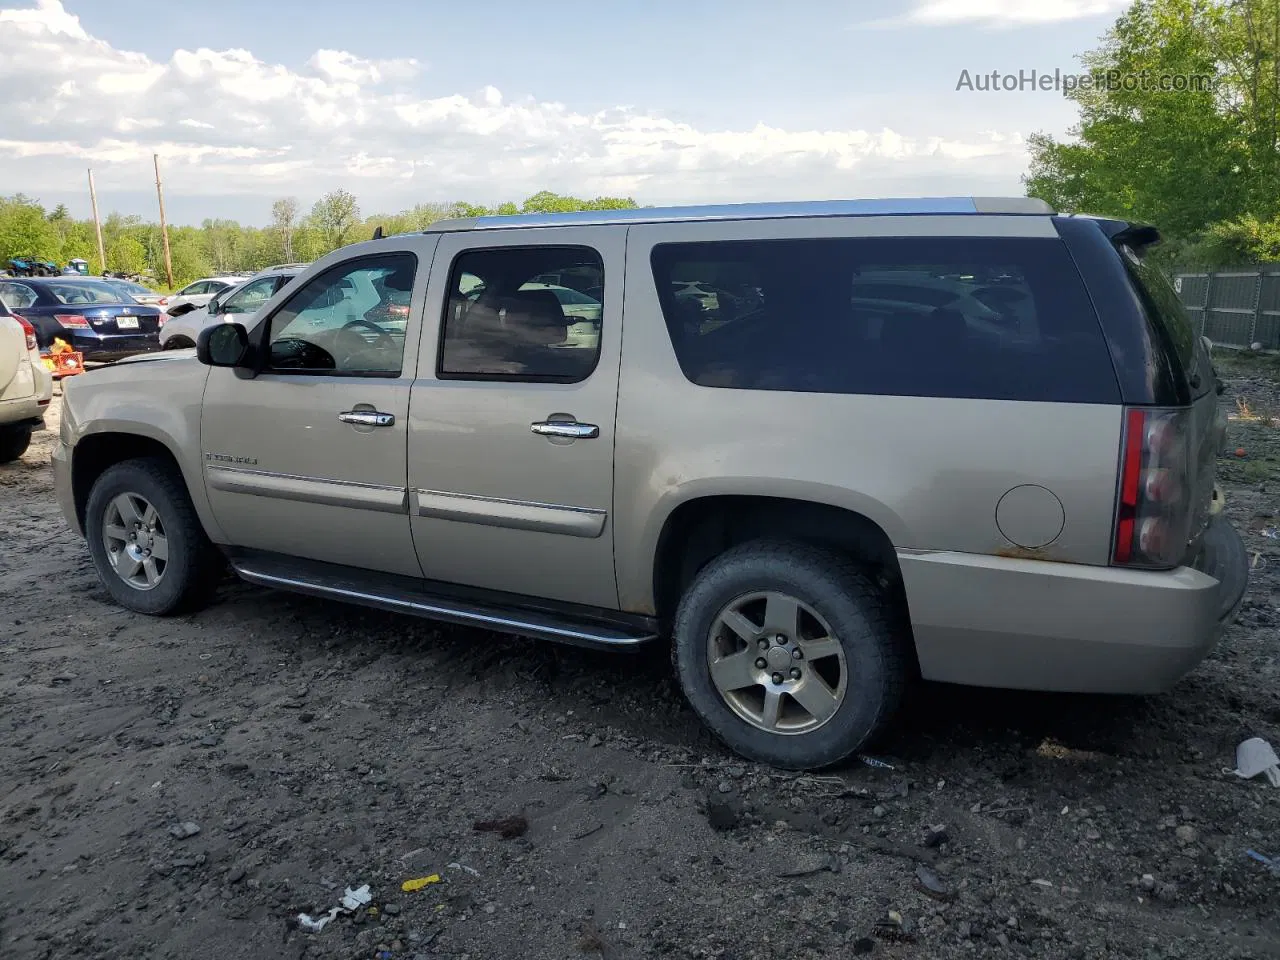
pixel 1005 319
pixel 1164 307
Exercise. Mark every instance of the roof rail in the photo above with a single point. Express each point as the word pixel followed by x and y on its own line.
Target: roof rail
pixel 910 206
pixel 285 266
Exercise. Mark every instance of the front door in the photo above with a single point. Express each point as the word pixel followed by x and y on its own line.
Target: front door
pixel 512 417
pixel 308 458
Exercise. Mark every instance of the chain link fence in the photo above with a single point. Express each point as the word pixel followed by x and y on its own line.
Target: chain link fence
pixel 1234 307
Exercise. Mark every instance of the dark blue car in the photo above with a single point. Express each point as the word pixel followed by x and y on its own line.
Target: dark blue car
pixel 96 319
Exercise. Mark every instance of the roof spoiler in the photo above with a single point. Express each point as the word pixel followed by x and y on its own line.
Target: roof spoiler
pixel 1137 236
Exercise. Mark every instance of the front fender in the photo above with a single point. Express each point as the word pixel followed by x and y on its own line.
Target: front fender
pixel 156 401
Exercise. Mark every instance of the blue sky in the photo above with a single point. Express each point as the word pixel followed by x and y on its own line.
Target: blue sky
pixel 416 101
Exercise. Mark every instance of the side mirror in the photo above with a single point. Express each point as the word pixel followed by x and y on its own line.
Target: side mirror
pixel 214 307
pixel 223 345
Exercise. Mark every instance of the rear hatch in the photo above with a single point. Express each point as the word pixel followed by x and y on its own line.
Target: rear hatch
pixel 1173 328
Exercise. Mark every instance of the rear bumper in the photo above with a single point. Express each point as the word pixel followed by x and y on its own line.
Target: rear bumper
pixel 106 347
pixel 1037 625
pixel 27 410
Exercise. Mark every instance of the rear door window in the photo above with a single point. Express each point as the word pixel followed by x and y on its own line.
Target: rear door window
pixel 528 314
pixel 995 318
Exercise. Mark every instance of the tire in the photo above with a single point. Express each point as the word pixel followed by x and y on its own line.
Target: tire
pixel 178 343
pixel 14 442
pixel 190 573
pixel 846 623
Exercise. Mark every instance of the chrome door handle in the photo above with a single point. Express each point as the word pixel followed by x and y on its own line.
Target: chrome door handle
pixel 368 418
pixel 570 429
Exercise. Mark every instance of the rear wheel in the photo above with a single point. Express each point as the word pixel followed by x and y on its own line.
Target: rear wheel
pixel 147 544
pixel 178 343
pixel 14 441
pixel 788 653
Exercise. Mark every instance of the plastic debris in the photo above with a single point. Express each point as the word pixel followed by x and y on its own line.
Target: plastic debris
pixel 1271 533
pixel 876 763
pixel 465 869
pixel 313 925
pixel 1256 756
pixel 184 830
pixel 410 886
pixel 355 899
pixel 1270 863
pixel 352 900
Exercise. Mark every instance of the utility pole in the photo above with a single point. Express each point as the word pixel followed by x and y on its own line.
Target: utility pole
pixel 164 228
pixel 97 224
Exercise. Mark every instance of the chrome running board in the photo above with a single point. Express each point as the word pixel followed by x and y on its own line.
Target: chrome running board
pixel 587 628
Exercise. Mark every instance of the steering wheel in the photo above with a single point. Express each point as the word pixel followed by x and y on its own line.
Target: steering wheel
pixel 384 339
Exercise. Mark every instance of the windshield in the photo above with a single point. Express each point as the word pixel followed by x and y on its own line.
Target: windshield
pixel 88 293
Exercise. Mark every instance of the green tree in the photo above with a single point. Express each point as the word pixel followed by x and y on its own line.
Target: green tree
pixel 24 231
pixel 1184 159
pixel 284 220
pixel 126 255
pixel 335 215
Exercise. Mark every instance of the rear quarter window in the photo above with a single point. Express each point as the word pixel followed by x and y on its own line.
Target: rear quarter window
pixel 1165 311
pixel 994 318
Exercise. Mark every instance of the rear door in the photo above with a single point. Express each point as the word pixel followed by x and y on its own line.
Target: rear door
pixel 512 417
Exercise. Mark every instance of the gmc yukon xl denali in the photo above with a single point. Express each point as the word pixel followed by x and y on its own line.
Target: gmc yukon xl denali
pixel 820 449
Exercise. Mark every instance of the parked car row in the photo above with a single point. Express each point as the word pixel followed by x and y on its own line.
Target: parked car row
pixel 238 297
pixel 108 318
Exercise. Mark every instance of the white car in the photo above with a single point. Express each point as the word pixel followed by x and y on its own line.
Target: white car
pixel 199 294
pixel 26 387
pixel 231 305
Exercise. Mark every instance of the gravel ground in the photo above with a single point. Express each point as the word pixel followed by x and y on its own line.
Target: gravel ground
pixel 316 747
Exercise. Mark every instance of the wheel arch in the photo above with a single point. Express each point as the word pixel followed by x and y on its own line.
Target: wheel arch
pixel 699 529
pixel 96 452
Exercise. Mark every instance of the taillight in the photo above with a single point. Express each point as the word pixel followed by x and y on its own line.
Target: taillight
pixel 163 302
pixel 72 321
pixel 1153 516
pixel 29 330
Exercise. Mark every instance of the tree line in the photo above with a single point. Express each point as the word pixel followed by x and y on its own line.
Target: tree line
pixel 1202 165
pixel 220 246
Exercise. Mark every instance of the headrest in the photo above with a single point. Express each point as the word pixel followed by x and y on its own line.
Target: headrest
pixel 401 279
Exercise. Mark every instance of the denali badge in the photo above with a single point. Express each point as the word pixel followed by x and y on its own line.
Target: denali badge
pixel 221 458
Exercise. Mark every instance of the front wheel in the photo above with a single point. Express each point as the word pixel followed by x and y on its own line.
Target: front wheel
pixel 147 544
pixel 14 442
pixel 178 343
pixel 788 653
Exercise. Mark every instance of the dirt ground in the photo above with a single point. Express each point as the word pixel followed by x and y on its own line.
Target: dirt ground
pixel 317 747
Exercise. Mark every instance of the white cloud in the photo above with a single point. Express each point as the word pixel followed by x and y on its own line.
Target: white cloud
pixel 227 123
pixel 1001 13
pixel 343 66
